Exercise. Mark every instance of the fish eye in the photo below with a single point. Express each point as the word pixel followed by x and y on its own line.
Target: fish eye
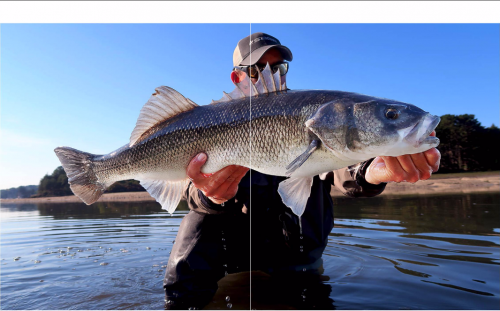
pixel 392 114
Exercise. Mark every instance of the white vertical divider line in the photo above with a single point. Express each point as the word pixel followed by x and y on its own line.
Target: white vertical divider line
pixel 250 207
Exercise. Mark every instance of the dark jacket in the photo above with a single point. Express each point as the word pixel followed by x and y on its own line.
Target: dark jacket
pixel 214 240
pixel 276 229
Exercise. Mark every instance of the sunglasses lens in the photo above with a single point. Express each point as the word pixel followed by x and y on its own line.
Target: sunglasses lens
pixel 283 68
pixel 253 72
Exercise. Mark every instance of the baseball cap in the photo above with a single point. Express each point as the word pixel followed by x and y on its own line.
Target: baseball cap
pixel 256 45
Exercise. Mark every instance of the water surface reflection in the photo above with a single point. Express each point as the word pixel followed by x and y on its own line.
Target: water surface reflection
pixel 388 252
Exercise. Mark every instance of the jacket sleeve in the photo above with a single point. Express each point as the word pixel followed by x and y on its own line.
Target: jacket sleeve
pixel 198 202
pixel 351 181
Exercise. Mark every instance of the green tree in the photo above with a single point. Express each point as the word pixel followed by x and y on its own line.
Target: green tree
pixel 55 184
pixel 466 145
pixel 126 186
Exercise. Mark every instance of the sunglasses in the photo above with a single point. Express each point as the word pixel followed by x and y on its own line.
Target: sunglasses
pixel 254 74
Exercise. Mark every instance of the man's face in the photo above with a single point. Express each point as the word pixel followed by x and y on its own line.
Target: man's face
pixel 273 56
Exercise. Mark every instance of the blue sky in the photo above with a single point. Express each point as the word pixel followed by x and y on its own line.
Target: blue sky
pixel 83 85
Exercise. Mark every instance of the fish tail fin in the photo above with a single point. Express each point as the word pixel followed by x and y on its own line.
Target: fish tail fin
pixel 82 179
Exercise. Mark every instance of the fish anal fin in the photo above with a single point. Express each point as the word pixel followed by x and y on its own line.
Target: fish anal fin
pixel 294 192
pixel 167 193
pixel 163 104
pixel 295 164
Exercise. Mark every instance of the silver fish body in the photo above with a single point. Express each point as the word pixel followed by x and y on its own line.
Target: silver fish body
pixel 265 135
pixel 286 133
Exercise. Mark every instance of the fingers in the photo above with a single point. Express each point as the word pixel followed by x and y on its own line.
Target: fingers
pixel 219 182
pixel 411 168
pixel 219 186
pixel 433 157
pixel 411 173
pixel 194 168
pixel 241 173
pixel 373 171
pixel 220 177
pixel 395 170
pixel 228 188
pixel 421 164
pixel 398 169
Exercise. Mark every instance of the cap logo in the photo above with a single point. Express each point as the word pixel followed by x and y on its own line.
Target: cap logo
pixel 263 38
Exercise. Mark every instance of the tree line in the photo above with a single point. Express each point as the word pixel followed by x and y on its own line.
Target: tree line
pixel 57 185
pixel 19 192
pixel 465 146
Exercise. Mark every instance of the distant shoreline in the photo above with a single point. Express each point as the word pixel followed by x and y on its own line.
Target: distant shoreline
pixel 452 183
pixel 443 184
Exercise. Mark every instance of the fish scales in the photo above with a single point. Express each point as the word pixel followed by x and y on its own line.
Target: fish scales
pixel 279 134
pixel 273 136
pixel 298 134
pixel 222 131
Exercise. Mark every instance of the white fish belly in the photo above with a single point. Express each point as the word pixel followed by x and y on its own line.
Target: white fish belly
pixel 167 175
pixel 320 161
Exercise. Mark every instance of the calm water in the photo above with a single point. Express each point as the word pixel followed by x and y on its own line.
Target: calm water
pixel 391 252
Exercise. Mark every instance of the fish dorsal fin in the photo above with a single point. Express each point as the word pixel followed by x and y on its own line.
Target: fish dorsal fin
pixel 163 104
pixel 260 85
pixel 277 80
pixel 267 83
pixel 268 78
pixel 241 90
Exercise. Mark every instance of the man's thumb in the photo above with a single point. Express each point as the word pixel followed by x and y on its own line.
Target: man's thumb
pixel 194 167
pixel 376 171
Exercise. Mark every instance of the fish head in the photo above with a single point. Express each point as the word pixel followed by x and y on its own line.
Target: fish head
pixel 374 128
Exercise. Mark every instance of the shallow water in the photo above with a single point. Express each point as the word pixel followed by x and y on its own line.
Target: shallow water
pixel 388 252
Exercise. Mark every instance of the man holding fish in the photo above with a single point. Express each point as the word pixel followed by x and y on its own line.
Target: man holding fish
pixel 214 238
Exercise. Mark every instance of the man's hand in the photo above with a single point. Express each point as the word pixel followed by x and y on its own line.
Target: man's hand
pixel 219 186
pixel 409 167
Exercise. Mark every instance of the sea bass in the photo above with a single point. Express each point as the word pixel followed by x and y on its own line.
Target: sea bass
pixel 262 126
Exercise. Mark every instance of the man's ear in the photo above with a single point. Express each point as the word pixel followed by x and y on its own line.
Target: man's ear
pixel 237 76
pixel 234 77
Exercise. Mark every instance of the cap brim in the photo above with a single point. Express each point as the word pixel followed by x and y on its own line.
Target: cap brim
pixel 257 54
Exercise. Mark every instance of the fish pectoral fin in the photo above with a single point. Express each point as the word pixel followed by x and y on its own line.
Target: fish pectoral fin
pixel 295 164
pixel 167 193
pixel 294 192
pixel 163 104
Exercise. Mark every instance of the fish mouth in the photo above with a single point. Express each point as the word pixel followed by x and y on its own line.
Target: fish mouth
pixel 419 134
